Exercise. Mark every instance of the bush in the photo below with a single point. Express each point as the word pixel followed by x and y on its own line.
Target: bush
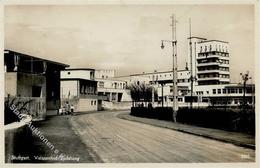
pixel 218 118
pixel 225 119
pixel 162 113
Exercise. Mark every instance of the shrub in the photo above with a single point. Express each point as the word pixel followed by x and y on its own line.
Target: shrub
pixel 218 118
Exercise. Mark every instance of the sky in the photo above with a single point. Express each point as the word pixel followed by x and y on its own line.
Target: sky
pixel 127 38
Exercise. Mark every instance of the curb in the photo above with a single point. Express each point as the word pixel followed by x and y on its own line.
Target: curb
pixel 250 146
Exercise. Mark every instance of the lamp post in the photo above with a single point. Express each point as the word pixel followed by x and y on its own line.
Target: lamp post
pixel 174 69
pixel 245 78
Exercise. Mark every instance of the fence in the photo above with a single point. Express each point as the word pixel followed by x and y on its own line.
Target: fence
pixel 36 106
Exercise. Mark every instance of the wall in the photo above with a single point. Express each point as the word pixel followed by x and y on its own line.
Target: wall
pixel 116 105
pixel 82 104
pixel 10 83
pixel 87 105
pixel 104 73
pixel 81 74
pixel 69 89
pixel 209 89
pixel 26 81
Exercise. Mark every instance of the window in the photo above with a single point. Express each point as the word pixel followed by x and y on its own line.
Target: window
pixel 68 73
pixel 240 90
pixel 91 102
pixel 219 91
pixel 207 92
pixel 232 90
pixel 36 91
pixel 95 102
pixel 224 91
pixel 205 48
pixel 101 84
pixel 214 91
pixel 210 47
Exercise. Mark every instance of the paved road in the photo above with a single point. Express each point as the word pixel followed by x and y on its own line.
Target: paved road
pixel 116 140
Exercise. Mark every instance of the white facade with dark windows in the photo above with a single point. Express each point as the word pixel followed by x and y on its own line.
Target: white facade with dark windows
pixel 213 63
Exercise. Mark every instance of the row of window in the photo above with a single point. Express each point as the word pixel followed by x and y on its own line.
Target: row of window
pixel 225 91
pixel 224 76
pixel 230 90
pixel 103 76
pixel 165 75
pixel 213 68
pixel 84 89
pixel 217 48
pixel 210 60
pixel 93 102
pixel 213 75
pixel 208 75
pixel 213 53
pixel 115 85
pixel 118 85
pixel 183 80
pixel 224 68
pixel 211 82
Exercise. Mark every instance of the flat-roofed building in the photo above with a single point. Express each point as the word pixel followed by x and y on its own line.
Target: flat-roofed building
pixel 79 88
pixel 33 79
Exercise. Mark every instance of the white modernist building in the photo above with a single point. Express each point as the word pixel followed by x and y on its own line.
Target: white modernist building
pixel 79 88
pixel 89 89
pixel 208 66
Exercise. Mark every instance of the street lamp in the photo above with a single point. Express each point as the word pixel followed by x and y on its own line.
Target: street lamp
pixel 174 66
pixel 175 87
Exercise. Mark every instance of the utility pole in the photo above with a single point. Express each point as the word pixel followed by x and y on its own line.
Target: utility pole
pixel 245 78
pixel 191 68
pixel 153 91
pixel 174 65
pixel 175 83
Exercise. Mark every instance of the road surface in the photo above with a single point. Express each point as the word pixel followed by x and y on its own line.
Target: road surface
pixel 116 140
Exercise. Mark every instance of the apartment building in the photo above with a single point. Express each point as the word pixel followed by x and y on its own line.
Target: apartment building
pixel 208 61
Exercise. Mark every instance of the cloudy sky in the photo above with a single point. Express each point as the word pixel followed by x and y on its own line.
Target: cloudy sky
pixel 127 37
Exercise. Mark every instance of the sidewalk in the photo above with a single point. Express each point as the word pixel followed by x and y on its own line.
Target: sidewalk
pixel 58 131
pixel 239 139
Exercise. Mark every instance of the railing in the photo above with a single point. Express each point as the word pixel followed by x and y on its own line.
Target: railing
pixel 36 106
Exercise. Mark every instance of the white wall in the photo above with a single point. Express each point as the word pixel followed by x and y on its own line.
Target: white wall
pixel 208 90
pixel 104 73
pixel 10 83
pixel 67 87
pixel 82 74
pixel 87 105
pixel 111 84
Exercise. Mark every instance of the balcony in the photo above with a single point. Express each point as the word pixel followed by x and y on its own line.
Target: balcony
pixel 209 78
pixel 212 56
pixel 208 64
pixel 208 71
pixel 224 79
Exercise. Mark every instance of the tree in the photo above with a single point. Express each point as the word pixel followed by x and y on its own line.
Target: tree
pixel 141 92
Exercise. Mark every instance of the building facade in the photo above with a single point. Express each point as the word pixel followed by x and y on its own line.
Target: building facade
pixel 208 67
pixel 208 61
pixel 79 88
pixel 28 78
